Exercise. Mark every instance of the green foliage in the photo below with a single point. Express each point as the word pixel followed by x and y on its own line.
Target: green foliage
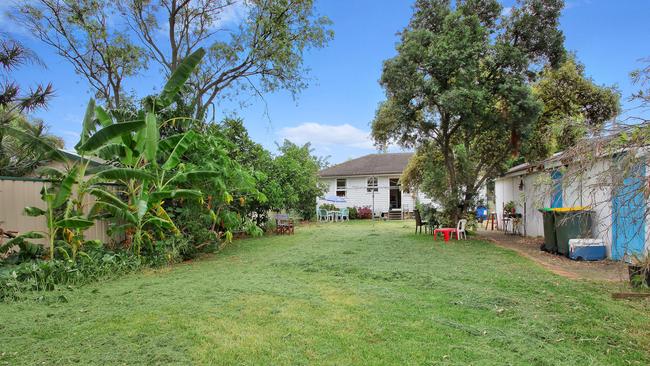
pixel 262 51
pixel 296 171
pixel 573 106
pixel 288 181
pixel 459 91
pixel 84 33
pixel 354 214
pixel 328 206
pixel 17 281
pixel 24 143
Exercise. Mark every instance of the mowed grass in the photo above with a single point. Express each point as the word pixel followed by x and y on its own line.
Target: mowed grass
pixel 357 293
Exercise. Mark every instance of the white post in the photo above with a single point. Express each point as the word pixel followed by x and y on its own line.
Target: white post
pixel 373 197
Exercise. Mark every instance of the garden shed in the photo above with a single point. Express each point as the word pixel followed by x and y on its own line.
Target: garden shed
pixel 619 211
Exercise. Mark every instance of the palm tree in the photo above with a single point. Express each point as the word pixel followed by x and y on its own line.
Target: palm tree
pixel 23 143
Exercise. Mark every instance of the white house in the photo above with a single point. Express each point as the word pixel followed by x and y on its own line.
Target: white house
pixel 619 215
pixel 372 181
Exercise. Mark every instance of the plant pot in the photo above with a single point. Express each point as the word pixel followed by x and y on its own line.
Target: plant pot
pixel 638 276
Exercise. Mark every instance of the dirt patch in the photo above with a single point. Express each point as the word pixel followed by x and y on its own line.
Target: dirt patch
pixel 605 270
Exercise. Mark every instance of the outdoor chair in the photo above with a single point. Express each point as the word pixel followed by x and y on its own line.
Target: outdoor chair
pixel 323 215
pixel 283 224
pixel 345 214
pixel 460 229
pixel 418 222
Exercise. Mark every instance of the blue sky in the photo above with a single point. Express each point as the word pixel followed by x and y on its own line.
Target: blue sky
pixel 334 113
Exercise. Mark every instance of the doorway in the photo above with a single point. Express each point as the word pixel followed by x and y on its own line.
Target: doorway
pixel 395 194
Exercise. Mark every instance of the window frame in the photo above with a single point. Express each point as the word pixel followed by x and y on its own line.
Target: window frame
pixel 372 187
pixel 341 192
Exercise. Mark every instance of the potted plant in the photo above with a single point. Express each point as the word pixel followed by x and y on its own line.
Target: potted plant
pixel 639 270
pixel 510 208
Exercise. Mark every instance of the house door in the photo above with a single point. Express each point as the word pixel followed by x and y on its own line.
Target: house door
pixel 395 194
pixel 628 216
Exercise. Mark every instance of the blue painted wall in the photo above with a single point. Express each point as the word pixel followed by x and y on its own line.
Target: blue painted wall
pixel 556 193
pixel 628 216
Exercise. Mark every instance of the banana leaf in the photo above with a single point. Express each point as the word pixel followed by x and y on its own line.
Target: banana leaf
pixel 152 137
pixel 157 221
pixel 65 188
pixel 34 211
pixel 179 78
pixel 115 211
pixel 143 205
pixel 88 124
pixel 103 117
pixel 177 193
pixel 75 223
pixel 108 197
pixel 166 145
pixel 181 147
pixel 111 151
pixel 106 134
pixel 124 174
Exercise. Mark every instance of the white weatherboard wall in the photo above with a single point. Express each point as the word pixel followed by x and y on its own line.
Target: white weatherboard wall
pixel 356 194
pixel 586 191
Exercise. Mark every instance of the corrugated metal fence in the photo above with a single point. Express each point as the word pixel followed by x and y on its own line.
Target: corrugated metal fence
pixel 18 193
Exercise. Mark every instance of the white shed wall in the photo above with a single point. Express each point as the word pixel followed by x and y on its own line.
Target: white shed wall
pixel 586 191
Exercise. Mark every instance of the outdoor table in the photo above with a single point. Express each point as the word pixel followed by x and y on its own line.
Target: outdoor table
pixel 446 231
pixel 335 214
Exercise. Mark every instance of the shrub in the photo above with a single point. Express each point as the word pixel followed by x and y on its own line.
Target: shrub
pixel 354 214
pixel 364 212
pixel 328 206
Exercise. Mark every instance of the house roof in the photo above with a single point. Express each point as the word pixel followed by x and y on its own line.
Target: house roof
pixel 94 161
pixel 525 168
pixel 373 164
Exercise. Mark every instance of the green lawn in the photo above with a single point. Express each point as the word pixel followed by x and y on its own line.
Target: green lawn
pixel 357 293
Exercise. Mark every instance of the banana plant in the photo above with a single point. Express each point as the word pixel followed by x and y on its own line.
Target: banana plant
pixel 148 169
pixel 55 198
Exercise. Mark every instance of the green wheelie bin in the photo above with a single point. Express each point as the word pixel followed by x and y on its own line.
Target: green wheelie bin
pixel 571 223
pixel 550 241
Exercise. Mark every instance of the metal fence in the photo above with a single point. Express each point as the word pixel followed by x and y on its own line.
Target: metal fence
pixel 18 193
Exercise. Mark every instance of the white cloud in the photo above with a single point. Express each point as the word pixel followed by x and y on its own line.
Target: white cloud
pixel 506 11
pixel 232 14
pixel 328 136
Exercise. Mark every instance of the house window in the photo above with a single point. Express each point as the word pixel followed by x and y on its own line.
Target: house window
pixel 340 187
pixel 372 184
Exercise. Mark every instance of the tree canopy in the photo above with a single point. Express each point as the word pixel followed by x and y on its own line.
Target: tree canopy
pixel 261 50
pixel 573 106
pixel 459 89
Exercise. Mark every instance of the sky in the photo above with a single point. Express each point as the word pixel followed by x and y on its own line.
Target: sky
pixel 334 113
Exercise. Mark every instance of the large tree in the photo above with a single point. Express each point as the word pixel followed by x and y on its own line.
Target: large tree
pixel 84 33
pixel 459 89
pixel 256 45
pixel 573 106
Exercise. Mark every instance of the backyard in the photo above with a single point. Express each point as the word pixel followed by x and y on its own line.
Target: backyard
pixel 347 293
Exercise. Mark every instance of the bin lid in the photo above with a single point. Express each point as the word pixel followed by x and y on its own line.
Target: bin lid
pixel 585 243
pixel 571 209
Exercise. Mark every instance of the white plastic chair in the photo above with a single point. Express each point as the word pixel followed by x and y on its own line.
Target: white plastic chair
pixel 460 229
